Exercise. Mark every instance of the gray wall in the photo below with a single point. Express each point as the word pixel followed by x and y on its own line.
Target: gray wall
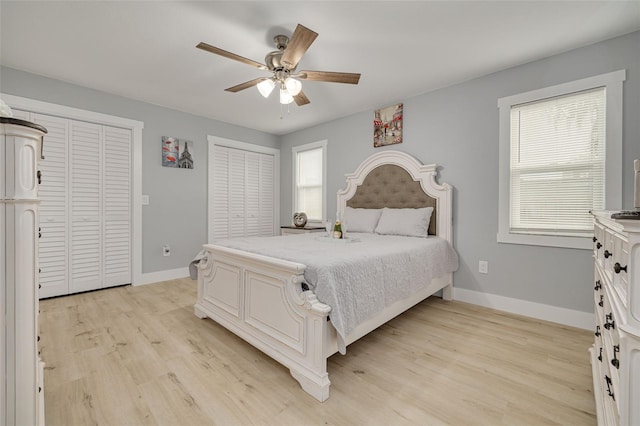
pixel 457 128
pixel 177 211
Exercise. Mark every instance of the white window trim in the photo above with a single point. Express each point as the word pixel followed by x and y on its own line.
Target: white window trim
pixel 613 178
pixel 294 155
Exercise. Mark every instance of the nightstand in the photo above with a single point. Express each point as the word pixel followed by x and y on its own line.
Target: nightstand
pixel 291 230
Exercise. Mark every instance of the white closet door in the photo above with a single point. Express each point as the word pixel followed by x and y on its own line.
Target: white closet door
pixel 220 213
pixel 252 194
pixel 242 193
pixel 266 216
pixel 53 207
pixel 117 207
pixel 86 207
pixel 237 182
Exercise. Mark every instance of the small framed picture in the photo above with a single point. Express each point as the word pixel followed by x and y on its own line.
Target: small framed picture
pixel 387 126
pixel 177 153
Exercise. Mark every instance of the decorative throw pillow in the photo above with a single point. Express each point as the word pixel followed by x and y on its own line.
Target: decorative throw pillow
pixel 408 222
pixel 361 220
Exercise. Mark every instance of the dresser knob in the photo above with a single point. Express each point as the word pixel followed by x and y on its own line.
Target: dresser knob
pixel 601 302
pixel 598 246
pixel 39 177
pixel 617 268
pixel 609 383
pixel 595 239
pixel 607 254
pixel 615 362
pixel 600 355
pixel 597 333
pixel 611 323
pixel 598 285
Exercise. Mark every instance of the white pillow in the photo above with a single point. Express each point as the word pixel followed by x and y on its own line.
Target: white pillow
pixel 408 222
pixel 361 220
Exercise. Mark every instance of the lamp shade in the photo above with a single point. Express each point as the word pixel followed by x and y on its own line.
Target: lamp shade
pixel 265 87
pixel 285 96
pixel 293 86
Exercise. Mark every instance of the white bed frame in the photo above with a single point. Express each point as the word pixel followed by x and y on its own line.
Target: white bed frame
pixel 260 298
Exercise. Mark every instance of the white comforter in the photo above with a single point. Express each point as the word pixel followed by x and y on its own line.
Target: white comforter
pixel 360 277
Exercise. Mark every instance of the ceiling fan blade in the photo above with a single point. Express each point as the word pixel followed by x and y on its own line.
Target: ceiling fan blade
pixel 301 99
pixel 246 84
pixel 300 41
pixel 221 52
pixel 332 77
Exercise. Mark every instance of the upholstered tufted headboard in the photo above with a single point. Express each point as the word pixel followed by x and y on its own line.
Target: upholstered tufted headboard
pixel 397 180
pixel 390 185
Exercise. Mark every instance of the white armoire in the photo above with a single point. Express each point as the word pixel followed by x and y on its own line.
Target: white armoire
pixel 21 370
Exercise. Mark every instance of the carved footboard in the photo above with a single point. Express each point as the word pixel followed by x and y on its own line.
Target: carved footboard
pixel 260 299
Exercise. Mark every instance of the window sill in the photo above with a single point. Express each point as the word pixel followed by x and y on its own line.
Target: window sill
pixel 582 243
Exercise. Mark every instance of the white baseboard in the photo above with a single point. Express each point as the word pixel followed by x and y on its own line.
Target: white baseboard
pixel 555 314
pixel 171 274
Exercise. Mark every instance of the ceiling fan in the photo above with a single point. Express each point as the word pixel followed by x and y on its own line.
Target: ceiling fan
pixel 282 63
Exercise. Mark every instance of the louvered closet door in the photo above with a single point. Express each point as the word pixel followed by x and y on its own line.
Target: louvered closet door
pixel 252 194
pixel 117 207
pixel 266 217
pixel 220 204
pixel 86 207
pixel 53 207
pixel 237 183
pixel 242 193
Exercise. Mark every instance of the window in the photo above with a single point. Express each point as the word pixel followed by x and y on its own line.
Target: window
pixel 309 178
pixel 560 157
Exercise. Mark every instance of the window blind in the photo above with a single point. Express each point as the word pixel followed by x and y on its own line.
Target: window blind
pixel 557 164
pixel 309 183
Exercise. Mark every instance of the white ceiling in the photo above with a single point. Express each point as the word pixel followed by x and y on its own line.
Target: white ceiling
pixel 145 50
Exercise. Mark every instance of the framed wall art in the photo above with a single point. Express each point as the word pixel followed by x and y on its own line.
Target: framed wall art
pixel 177 153
pixel 387 125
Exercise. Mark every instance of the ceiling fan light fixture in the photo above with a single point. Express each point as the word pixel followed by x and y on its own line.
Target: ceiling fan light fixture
pixel 293 86
pixel 265 87
pixel 285 96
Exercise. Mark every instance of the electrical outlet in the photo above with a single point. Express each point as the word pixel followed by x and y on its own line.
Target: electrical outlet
pixel 166 250
pixel 483 267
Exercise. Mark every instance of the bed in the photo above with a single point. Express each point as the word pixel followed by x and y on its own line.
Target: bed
pixel 267 296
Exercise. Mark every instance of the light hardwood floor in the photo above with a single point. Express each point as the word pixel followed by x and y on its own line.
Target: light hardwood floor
pixel 139 356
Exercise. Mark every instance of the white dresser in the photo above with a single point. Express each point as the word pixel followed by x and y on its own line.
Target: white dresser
pixel 21 370
pixel 615 355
